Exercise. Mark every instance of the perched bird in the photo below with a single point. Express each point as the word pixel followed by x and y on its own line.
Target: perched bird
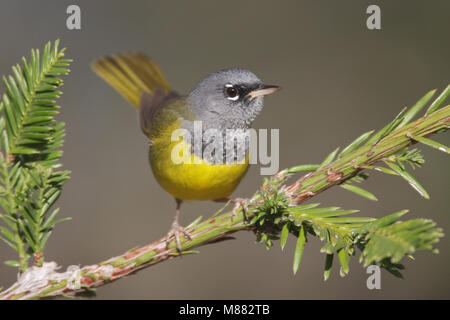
pixel 227 99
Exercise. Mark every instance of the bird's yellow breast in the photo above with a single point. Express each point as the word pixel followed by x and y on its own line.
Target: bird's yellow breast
pixel 195 180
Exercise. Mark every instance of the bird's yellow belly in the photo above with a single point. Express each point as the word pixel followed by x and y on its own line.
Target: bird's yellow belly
pixel 193 181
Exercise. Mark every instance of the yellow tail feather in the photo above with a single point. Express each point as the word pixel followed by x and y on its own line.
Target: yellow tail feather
pixel 131 75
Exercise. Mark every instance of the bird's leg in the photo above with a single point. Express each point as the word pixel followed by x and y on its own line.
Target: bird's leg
pixel 176 229
pixel 238 202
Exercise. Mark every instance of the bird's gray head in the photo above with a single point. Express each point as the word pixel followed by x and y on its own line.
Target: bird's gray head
pixel 229 99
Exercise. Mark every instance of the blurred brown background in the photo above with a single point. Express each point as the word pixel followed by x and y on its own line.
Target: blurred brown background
pixel 339 79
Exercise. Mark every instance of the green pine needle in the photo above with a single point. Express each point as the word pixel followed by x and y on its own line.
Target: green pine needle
pixel 284 235
pixel 411 113
pixel 355 144
pixel 433 144
pixel 344 259
pixel 409 178
pixel 304 168
pixel 329 158
pixel 439 101
pixel 359 191
pixel 301 240
pixel 328 265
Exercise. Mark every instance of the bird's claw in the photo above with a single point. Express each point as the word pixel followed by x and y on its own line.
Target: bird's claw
pixel 176 232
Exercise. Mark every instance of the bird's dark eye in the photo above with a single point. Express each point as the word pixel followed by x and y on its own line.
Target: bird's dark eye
pixel 231 92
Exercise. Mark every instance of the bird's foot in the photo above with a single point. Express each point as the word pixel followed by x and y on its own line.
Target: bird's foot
pixel 176 232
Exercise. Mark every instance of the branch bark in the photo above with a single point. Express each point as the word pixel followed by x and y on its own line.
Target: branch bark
pixel 45 281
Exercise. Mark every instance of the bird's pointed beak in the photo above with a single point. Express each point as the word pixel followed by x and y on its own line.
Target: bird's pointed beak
pixel 263 90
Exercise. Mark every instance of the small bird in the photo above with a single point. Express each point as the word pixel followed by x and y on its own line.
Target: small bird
pixel 227 99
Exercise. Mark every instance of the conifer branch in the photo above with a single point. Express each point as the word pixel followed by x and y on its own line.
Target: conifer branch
pixel 30 142
pixel 275 210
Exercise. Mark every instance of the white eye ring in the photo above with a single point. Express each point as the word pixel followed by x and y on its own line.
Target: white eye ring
pixel 230 91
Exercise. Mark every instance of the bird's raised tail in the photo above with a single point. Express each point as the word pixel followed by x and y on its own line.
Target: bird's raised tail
pixel 131 74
